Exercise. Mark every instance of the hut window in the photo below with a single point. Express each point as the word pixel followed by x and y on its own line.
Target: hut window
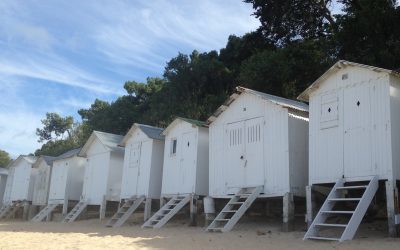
pixel 174 142
pixel 329 111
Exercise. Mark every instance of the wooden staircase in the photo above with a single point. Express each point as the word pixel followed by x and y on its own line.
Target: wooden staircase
pixel 8 210
pixel 75 212
pixel 44 213
pixel 125 211
pixel 173 206
pixel 354 217
pixel 234 209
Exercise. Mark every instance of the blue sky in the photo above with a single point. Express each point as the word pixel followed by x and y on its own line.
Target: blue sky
pixel 58 56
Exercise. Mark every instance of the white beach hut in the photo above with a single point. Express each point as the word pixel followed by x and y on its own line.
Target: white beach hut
pixel 42 181
pixel 354 142
pixel 258 149
pixel 142 173
pixel 185 170
pixel 3 182
pixel 66 183
pixel 19 186
pixel 103 173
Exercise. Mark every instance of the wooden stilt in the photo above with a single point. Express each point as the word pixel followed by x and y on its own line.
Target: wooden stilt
pixel 391 200
pixel 193 210
pixel 309 204
pixel 103 209
pixel 65 208
pixel 288 212
pixel 26 209
pixel 162 202
pixel 209 210
pixel 147 209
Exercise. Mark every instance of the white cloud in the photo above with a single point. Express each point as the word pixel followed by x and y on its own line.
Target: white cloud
pixel 54 69
pixel 17 122
pixel 17 132
pixel 146 34
pixel 30 34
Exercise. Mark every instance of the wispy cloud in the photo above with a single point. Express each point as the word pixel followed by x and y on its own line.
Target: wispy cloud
pixel 148 33
pixel 54 69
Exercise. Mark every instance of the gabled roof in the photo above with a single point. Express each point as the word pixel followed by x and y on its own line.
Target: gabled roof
pixel 150 131
pixel 48 159
pixel 180 119
pixel 271 98
pixel 28 158
pixel 109 141
pixel 304 96
pixel 68 154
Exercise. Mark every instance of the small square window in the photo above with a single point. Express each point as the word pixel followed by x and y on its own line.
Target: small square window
pixel 174 142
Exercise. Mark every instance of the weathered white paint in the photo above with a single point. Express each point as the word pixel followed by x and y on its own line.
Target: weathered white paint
pixel 67 179
pixel 103 169
pixel 256 142
pixel 20 181
pixel 186 171
pixel 42 182
pixel 354 124
pixel 143 161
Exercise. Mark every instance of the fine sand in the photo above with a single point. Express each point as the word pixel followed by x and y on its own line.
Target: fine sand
pixel 248 234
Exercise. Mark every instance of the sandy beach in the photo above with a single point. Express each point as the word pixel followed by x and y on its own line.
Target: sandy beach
pixel 249 234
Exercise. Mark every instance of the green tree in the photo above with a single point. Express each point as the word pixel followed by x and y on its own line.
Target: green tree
pixel 286 71
pixel 54 127
pixel 118 116
pixel 284 21
pixel 60 134
pixel 5 158
pixel 370 32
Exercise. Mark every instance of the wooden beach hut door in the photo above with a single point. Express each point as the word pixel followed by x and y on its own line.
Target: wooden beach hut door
pixel 60 174
pixel 134 166
pixel 187 172
pixel 254 156
pixel 244 154
pixel 235 154
pixel 357 134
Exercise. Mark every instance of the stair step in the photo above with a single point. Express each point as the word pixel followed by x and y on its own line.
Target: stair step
pixel 337 212
pixel 322 238
pixel 236 212
pixel 330 225
pixel 344 199
pixel 162 216
pixel 355 216
pixel 351 187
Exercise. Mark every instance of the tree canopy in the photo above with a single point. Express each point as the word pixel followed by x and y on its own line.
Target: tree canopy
pixel 5 158
pixel 60 134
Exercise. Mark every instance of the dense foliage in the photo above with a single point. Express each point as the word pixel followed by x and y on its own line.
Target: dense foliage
pixel 5 158
pixel 296 42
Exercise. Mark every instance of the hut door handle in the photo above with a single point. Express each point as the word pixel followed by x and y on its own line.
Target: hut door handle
pixel 241 157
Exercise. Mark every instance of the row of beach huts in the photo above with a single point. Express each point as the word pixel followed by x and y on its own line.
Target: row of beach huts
pixel 256 146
